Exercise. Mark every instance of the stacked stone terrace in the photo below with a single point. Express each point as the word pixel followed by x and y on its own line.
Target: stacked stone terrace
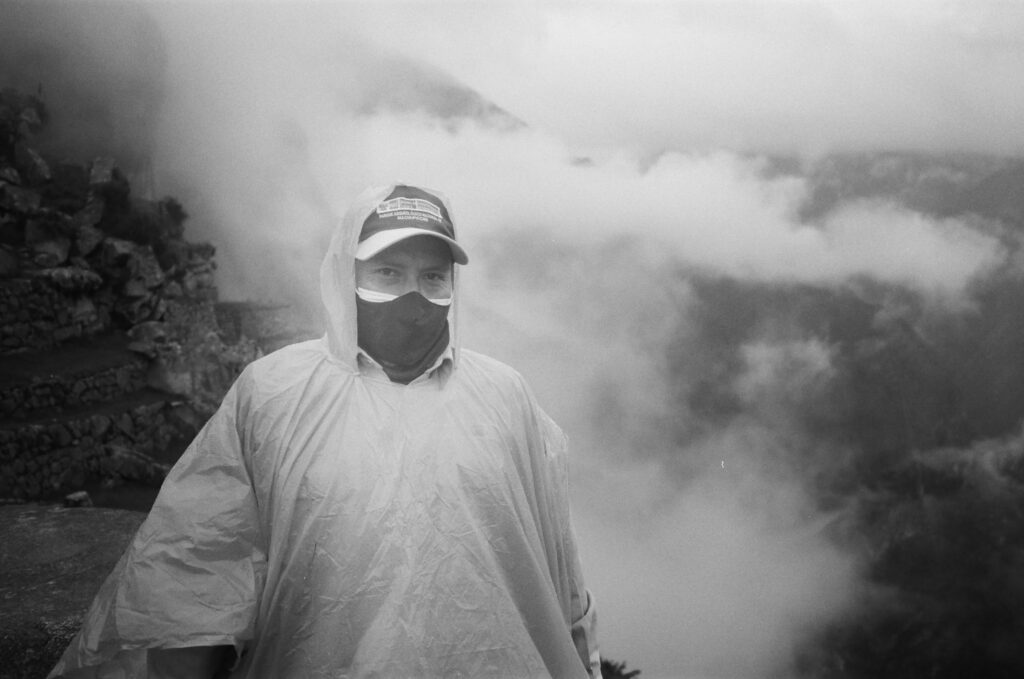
pixel 111 355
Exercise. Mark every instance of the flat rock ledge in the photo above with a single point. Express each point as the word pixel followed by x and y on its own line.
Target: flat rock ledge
pixel 53 560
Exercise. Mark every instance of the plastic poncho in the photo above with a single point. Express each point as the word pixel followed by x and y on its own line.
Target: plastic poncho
pixel 327 522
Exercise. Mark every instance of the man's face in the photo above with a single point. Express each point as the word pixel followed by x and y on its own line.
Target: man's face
pixel 421 263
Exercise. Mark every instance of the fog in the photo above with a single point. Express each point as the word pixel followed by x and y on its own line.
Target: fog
pixel 596 157
pixel 807 76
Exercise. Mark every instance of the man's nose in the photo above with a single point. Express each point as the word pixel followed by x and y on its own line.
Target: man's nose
pixel 412 284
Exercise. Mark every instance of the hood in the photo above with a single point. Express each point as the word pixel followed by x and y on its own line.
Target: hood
pixel 338 280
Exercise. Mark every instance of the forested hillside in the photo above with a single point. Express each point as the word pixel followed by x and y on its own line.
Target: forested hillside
pixel 914 439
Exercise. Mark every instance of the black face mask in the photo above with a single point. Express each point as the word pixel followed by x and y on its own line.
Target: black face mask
pixel 405 335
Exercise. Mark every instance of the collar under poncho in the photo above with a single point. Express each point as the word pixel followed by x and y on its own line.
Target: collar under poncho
pixel 331 523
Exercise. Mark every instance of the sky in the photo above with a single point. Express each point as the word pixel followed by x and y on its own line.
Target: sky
pixel 663 99
pixel 636 143
pixel 785 75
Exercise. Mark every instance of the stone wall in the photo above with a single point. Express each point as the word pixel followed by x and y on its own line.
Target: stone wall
pixel 63 454
pixel 112 354
pixel 49 393
pixel 48 308
pixel 79 255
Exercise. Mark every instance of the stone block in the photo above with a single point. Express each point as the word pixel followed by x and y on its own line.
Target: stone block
pixel 87 239
pixel 19 199
pixel 91 214
pixel 9 264
pixel 10 175
pixel 148 338
pixel 100 425
pixel 102 172
pixel 78 499
pixel 173 290
pixel 72 279
pixel 31 164
pixel 84 311
pixel 49 228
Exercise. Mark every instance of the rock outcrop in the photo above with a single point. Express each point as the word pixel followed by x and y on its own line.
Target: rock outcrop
pixel 114 350
pixel 111 349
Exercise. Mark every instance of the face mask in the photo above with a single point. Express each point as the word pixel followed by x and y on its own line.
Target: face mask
pixel 404 334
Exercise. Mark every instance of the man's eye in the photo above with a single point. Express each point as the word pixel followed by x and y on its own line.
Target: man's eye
pixel 384 272
pixel 437 277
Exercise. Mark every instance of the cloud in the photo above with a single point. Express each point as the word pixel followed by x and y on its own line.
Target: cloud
pixel 804 77
pixel 705 583
pixel 644 163
pixel 707 556
pixel 718 210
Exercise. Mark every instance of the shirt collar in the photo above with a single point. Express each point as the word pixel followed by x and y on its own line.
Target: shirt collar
pixel 441 368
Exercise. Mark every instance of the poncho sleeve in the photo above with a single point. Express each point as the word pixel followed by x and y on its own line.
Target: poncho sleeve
pixel 192 575
pixel 582 611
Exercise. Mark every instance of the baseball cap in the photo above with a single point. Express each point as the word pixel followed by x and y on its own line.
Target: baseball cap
pixel 407 211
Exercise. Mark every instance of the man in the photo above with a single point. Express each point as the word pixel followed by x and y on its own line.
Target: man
pixel 379 502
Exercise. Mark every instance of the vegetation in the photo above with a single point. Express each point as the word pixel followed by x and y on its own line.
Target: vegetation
pixel 616 670
pixel 914 439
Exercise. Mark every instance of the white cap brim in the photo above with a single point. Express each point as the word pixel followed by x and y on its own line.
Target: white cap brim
pixel 385 239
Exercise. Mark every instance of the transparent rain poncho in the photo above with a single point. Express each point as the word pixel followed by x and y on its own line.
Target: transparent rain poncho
pixel 327 522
